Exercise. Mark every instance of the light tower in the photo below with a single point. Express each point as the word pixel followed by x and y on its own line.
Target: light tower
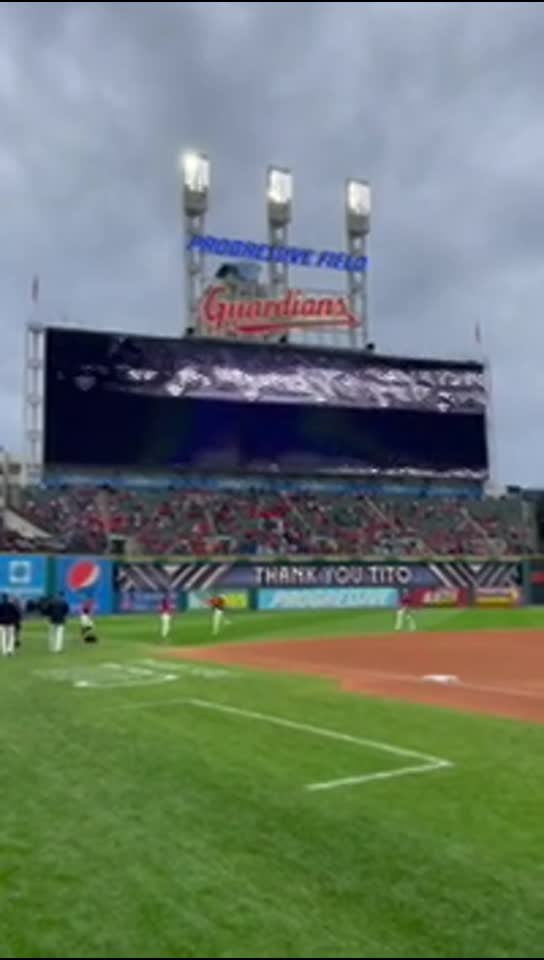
pixel 33 402
pixel 195 184
pixel 357 209
pixel 279 198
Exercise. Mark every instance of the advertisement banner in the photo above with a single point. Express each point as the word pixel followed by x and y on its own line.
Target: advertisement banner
pixel 264 253
pixel 141 601
pixel 85 578
pixel 439 597
pixel 23 576
pixel 234 576
pixel 327 599
pixel 498 597
pixel 199 600
pixel 536 580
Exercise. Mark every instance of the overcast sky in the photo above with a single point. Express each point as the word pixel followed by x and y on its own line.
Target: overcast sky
pixel 438 104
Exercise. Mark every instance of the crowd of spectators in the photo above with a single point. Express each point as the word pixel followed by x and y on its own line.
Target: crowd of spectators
pixel 203 523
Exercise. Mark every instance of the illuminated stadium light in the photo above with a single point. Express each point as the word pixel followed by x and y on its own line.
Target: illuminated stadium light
pixel 196 172
pixel 279 186
pixel 358 198
pixel 279 195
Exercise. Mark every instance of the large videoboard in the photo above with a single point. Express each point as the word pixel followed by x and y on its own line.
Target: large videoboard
pixel 157 403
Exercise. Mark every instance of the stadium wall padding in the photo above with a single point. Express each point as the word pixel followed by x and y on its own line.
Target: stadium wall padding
pixel 83 578
pixel 133 586
pixel 534 578
pixel 455 582
pixel 24 576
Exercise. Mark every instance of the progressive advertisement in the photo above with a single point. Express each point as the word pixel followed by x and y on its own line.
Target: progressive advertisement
pixel 326 599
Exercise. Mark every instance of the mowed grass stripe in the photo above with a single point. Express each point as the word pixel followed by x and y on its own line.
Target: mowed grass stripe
pixel 193 629
pixel 178 833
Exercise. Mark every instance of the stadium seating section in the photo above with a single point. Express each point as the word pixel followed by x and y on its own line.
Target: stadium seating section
pixel 261 524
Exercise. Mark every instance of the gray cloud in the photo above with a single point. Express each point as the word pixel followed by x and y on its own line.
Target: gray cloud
pixel 437 103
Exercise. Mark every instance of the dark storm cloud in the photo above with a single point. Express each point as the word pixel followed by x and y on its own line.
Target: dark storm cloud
pixel 437 103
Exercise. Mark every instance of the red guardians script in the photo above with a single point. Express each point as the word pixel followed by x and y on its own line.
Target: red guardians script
pixel 221 314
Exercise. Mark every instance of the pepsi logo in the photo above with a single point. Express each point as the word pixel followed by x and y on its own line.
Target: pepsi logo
pixel 82 575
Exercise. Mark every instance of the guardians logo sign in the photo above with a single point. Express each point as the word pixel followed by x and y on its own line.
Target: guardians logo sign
pixel 221 314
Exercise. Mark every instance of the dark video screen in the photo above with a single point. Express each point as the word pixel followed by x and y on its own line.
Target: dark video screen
pixel 103 413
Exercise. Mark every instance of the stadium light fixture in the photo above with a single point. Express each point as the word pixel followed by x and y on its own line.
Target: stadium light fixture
pixel 358 206
pixel 195 173
pixel 279 195
pixel 358 197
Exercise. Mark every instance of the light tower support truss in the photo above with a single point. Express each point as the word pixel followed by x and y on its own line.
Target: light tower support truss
pixel 34 403
pixel 358 210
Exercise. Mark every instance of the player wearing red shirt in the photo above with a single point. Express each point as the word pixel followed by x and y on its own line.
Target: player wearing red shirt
pixel 86 620
pixel 218 605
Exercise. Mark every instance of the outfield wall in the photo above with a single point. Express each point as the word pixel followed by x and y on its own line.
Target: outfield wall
pixel 136 586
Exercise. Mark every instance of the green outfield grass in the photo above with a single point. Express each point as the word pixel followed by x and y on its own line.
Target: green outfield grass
pixel 140 818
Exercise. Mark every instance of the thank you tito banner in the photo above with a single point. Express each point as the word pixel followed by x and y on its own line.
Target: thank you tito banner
pixel 338 575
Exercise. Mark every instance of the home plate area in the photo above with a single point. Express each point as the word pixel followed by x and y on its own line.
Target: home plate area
pixel 138 673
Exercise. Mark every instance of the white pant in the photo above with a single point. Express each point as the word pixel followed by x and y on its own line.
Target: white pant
pixel 86 621
pixel 218 619
pixel 166 621
pixel 405 618
pixel 7 640
pixel 56 637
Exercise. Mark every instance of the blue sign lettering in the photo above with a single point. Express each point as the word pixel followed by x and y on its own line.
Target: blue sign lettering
pixel 326 599
pixel 263 252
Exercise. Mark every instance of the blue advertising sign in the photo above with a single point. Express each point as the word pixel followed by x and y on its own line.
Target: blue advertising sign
pixel 139 601
pixel 23 576
pixel 147 601
pixel 85 578
pixel 327 599
pixel 264 253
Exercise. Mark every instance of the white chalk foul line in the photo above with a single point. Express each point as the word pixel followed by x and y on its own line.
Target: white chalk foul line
pixel 426 763
pixel 379 775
